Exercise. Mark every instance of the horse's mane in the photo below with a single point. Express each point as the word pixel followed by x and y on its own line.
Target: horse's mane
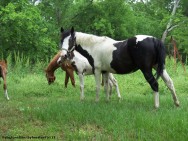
pixel 90 39
pixel 53 65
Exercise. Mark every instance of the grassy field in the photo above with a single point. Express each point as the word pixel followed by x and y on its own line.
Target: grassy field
pixel 37 110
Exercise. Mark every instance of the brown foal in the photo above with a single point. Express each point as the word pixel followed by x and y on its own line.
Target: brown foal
pixel 3 73
pixel 65 66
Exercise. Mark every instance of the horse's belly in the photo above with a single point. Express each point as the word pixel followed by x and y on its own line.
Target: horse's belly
pixel 125 70
pixel 123 67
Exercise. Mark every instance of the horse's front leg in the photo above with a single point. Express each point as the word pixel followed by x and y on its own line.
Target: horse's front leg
pixel 111 85
pixel 66 79
pixel 81 78
pixel 154 85
pixel 5 88
pixel 97 81
pixel 71 75
pixel 106 84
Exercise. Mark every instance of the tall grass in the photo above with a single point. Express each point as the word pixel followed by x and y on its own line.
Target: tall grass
pixel 19 63
pixel 38 109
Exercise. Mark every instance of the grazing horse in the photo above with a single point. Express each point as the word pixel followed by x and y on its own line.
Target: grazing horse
pixel 3 72
pixel 141 52
pixel 53 66
pixel 82 67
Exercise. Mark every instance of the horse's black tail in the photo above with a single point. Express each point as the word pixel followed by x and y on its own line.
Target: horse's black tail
pixel 161 54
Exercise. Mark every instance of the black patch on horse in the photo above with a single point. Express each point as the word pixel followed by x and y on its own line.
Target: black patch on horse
pixel 86 55
pixel 64 34
pixel 131 42
pixel 122 58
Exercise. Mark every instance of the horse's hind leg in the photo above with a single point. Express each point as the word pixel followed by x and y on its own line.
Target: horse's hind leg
pixel 154 85
pixel 5 89
pixel 97 81
pixel 168 81
pixel 81 78
pixel 106 84
pixel 114 82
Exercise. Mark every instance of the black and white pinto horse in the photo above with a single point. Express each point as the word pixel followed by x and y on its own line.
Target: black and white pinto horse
pixel 105 55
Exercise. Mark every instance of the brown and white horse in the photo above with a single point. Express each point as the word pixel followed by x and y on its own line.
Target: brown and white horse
pixel 3 72
pixel 65 66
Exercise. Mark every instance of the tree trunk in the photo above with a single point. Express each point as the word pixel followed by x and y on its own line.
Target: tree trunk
pixel 169 26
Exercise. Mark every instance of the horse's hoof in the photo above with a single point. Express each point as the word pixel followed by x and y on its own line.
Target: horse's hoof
pixel 8 98
pixel 177 103
pixel 107 100
pixel 156 106
pixel 82 99
pixel 119 99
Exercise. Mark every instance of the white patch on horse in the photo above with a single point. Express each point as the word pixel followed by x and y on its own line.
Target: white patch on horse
pixel 142 37
pixel 156 99
pixel 93 43
pixel 6 94
pixel 82 63
pixel 65 46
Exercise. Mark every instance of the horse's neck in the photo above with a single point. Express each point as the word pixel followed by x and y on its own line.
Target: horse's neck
pixel 88 40
pixel 52 67
pixel 80 59
pixel 53 64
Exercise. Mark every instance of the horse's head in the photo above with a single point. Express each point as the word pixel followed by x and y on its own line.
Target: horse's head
pixel 50 77
pixel 68 43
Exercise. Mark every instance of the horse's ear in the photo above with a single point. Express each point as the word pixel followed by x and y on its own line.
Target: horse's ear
pixel 62 29
pixel 72 30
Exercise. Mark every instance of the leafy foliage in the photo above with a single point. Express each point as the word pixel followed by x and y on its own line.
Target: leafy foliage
pixel 33 29
pixel 24 30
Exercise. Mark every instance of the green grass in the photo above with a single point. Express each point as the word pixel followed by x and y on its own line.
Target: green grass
pixel 38 109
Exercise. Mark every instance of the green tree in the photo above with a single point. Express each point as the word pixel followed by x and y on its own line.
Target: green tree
pixel 155 17
pixel 113 18
pixel 24 30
